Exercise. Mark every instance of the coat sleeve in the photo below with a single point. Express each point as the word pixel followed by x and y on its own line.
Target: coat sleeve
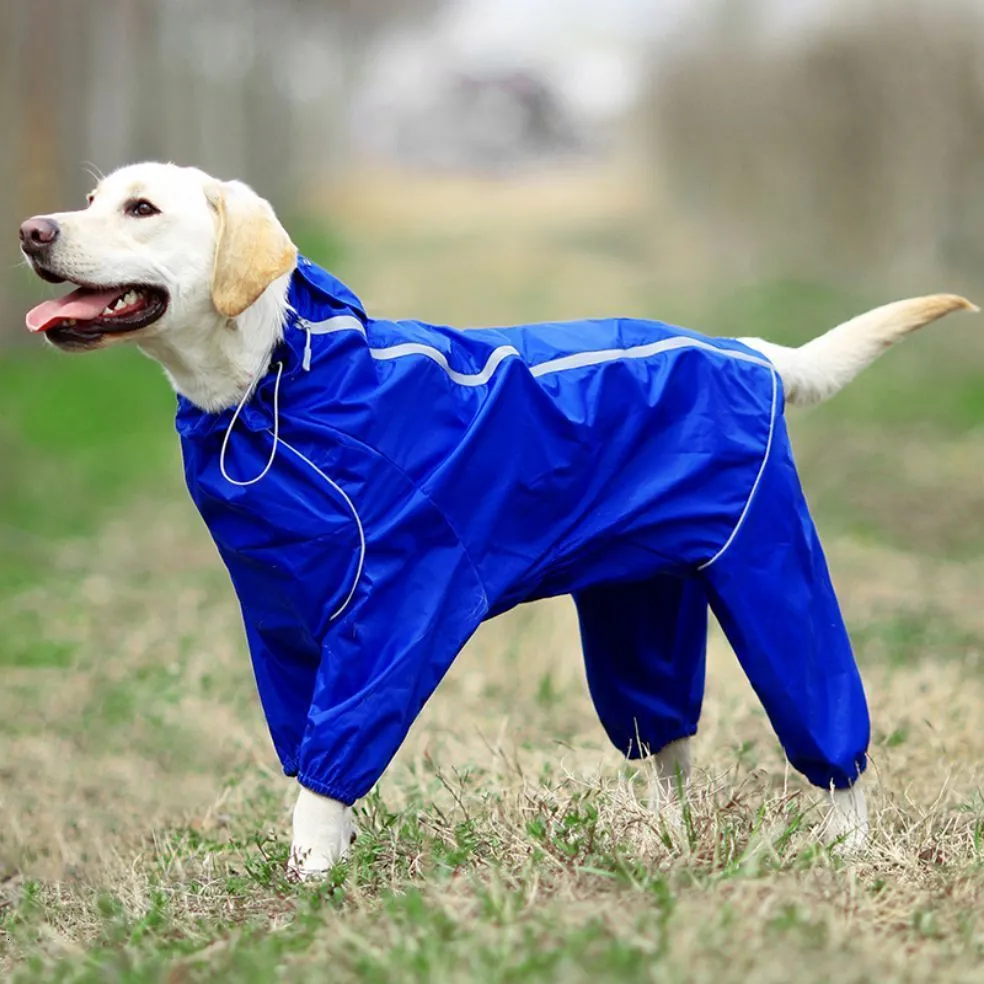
pixel 285 661
pixel 292 553
pixel 356 593
pixel 285 582
pixel 418 602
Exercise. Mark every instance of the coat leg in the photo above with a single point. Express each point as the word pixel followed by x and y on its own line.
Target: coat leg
pixel 771 591
pixel 644 652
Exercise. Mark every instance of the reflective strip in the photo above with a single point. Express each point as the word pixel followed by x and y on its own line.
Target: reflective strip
pixel 340 322
pixel 581 359
pixel 578 360
pixel 462 378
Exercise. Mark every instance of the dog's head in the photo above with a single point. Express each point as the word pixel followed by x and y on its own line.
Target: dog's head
pixel 158 247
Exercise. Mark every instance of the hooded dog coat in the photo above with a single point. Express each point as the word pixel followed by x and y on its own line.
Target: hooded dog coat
pixel 387 486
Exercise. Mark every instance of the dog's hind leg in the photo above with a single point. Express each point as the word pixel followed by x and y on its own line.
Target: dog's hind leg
pixel 771 591
pixel 645 649
pixel 672 766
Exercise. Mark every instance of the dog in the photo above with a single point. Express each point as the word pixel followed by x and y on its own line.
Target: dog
pixel 377 489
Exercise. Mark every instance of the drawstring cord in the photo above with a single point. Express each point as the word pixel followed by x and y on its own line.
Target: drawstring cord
pixel 235 417
pixel 277 441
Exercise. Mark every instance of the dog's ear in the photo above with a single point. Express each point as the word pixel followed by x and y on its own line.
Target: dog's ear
pixel 252 248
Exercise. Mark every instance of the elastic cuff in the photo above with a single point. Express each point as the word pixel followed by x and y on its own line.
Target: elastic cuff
pixel 648 749
pixel 335 792
pixel 834 777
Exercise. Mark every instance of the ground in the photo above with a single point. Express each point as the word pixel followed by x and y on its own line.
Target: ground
pixel 143 819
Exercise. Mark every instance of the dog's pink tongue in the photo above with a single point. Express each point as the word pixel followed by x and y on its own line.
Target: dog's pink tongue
pixel 82 305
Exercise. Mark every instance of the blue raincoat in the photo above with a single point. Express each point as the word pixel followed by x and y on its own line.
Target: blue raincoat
pixel 390 485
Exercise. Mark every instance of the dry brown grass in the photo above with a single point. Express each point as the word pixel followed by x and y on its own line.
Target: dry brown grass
pixel 510 752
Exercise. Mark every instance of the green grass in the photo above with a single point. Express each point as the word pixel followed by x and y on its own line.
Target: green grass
pixel 79 437
pixel 908 637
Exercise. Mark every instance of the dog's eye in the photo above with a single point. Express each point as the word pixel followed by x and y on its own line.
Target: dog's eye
pixel 140 208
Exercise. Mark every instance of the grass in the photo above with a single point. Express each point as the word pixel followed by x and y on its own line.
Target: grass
pixel 143 822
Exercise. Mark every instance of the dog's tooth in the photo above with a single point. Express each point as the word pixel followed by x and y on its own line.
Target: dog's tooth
pixel 107 310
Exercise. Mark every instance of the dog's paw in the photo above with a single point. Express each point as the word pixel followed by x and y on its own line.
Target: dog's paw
pixel 323 835
pixel 846 825
pixel 306 863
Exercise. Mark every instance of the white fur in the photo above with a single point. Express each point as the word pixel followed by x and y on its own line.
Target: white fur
pixel 669 780
pixel 212 360
pixel 214 368
pixel 844 826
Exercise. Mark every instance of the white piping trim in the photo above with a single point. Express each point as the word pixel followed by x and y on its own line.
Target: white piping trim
pixel 462 378
pixel 355 516
pixel 581 359
pixel 277 441
pixel 758 477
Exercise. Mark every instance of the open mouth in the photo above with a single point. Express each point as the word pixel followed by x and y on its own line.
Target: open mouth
pixel 84 317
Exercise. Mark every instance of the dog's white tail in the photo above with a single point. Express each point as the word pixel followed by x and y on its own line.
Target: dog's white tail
pixel 815 371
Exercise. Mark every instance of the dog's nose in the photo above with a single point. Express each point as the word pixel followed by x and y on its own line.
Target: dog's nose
pixel 37 234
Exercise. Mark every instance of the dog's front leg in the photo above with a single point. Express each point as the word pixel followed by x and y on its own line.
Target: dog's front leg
pixel 323 832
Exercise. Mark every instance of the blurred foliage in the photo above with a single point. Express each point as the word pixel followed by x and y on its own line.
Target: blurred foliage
pixel 854 149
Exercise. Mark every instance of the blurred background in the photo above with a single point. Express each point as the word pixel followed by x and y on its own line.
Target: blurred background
pixel 744 138
pixel 739 166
